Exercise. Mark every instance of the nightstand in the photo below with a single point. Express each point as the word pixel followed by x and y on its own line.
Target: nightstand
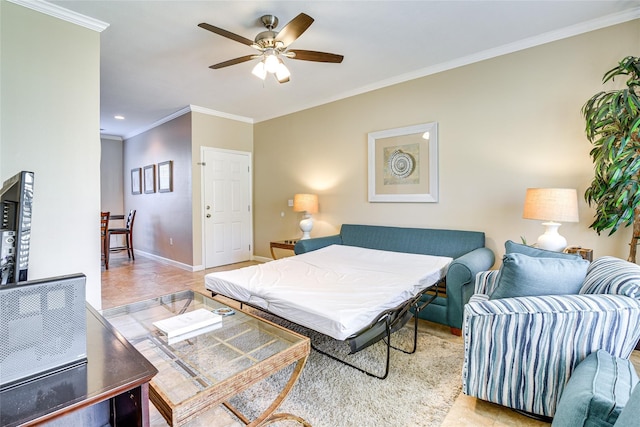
pixel 585 253
pixel 281 244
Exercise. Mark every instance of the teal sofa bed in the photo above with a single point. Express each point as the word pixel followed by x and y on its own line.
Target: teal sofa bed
pixel 465 247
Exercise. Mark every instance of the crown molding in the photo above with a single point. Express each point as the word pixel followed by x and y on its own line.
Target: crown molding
pixel 111 137
pixel 62 13
pixel 185 110
pixel 211 112
pixel 551 36
pixel 163 120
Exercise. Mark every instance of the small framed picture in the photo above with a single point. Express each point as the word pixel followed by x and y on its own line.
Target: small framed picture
pixel 165 177
pixel 150 179
pixel 135 181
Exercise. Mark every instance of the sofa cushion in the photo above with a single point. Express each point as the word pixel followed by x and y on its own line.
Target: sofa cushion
pixel 610 275
pixel 512 247
pixel 450 243
pixel 521 275
pixel 631 413
pixel 597 391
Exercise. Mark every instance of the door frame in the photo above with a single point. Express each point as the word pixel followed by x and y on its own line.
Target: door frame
pixel 204 149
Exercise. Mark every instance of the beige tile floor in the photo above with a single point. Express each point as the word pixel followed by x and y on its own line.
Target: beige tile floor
pixel 127 281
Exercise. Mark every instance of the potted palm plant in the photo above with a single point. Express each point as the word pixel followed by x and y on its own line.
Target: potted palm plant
pixel 612 126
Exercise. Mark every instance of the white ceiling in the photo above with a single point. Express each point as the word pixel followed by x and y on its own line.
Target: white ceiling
pixel 154 58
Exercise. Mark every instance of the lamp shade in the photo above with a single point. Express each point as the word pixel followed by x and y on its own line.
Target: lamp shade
pixel 551 204
pixel 305 203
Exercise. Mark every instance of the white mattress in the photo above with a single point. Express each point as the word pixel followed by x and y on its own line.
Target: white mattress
pixel 337 290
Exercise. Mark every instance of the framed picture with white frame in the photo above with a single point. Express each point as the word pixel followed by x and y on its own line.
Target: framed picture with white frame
pixel 136 187
pixel 165 177
pixel 150 179
pixel 403 164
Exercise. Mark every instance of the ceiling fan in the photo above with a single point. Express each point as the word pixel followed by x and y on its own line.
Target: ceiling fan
pixel 273 46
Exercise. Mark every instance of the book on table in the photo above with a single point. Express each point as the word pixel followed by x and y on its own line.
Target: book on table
pixel 186 323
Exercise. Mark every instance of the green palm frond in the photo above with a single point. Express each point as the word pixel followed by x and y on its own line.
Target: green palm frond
pixel 612 125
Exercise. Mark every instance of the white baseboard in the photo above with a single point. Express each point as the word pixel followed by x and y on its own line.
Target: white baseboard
pixel 188 267
pixel 171 262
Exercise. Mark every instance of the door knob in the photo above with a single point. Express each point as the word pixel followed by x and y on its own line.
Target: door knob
pixel 208 215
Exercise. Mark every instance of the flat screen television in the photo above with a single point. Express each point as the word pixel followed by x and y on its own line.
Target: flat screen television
pixel 16 198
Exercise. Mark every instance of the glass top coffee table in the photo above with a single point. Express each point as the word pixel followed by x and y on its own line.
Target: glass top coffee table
pixel 204 371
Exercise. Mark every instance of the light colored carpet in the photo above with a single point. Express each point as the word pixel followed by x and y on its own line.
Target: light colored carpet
pixel 419 390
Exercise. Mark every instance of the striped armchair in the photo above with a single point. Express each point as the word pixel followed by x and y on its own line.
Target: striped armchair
pixel 520 352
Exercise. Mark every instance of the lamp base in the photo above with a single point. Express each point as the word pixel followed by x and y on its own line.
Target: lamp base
pixel 551 240
pixel 306 225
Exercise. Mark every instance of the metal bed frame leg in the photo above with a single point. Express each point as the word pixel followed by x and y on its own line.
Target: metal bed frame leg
pixel 351 365
pixel 418 309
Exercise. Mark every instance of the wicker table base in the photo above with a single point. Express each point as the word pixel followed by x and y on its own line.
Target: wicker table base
pixel 207 370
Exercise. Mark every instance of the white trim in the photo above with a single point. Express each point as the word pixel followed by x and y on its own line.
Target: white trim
pixel 171 262
pixel 62 13
pixel 183 111
pixel 261 259
pixel 170 117
pixel 551 36
pixel 211 112
pixel 111 137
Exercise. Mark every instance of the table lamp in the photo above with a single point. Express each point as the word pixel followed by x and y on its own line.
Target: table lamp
pixel 307 203
pixel 552 205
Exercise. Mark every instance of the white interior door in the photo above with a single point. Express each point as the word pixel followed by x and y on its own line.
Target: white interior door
pixel 227 207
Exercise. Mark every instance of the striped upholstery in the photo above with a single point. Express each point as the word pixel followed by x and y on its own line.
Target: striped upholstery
pixel 609 275
pixel 486 282
pixel 520 352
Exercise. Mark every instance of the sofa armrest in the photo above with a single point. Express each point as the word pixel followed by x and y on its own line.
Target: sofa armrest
pixel 461 279
pixel 515 345
pixel 308 245
pixel 486 282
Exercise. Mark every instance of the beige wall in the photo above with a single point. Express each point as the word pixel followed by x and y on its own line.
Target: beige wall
pixel 505 124
pixel 162 216
pixel 177 215
pixel 215 132
pixel 50 105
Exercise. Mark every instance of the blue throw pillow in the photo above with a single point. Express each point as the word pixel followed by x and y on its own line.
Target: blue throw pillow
pixel 513 247
pixel 521 275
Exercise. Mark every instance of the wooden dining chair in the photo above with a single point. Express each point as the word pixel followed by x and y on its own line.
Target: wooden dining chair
pixel 127 231
pixel 104 240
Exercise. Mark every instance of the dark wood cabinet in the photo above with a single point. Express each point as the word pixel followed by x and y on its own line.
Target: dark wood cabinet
pixel 112 388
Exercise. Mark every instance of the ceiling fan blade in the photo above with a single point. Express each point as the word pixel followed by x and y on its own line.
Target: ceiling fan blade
pixel 294 29
pixel 227 34
pixel 233 61
pixel 312 55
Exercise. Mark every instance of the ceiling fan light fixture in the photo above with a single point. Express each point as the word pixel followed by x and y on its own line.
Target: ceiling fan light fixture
pixel 282 72
pixel 271 63
pixel 273 46
pixel 259 70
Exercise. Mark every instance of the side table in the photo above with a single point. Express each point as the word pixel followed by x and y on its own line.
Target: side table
pixel 281 244
pixel 585 253
pixel 112 388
